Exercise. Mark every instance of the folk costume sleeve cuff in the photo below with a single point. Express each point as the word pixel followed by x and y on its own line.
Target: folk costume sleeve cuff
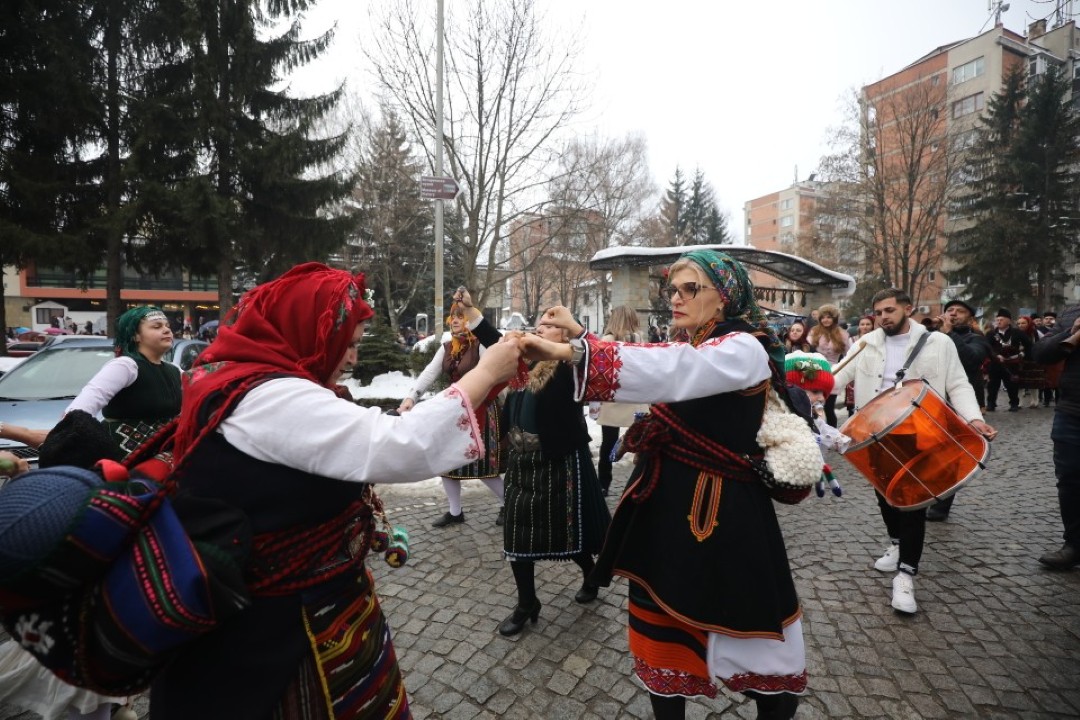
pixel 669 372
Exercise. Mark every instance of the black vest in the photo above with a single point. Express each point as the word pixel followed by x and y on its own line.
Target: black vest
pixel 154 396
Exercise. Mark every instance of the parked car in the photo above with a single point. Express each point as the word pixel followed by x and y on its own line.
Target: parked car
pixel 23 349
pixel 35 393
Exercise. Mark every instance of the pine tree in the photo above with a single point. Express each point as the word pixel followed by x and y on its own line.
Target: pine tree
pixel 245 176
pixel 48 109
pixel 379 352
pixel 716 228
pixel 673 210
pixel 1021 191
pixel 704 223
pixel 395 238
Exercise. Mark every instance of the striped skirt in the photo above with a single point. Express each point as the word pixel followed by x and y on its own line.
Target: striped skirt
pixel 353 673
pixel 674 658
pixel 554 508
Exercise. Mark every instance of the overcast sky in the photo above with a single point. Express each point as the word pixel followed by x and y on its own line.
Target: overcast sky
pixel 745 90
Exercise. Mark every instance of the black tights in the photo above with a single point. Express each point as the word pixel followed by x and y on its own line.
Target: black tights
pixel 668 707
pixel 780 706
pixel 525 576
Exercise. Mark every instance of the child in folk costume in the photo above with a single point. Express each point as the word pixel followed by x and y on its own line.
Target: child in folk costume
pixel 812 373
pixel 470 334
pixel 555 510
pixel 264 429
pixel 735 619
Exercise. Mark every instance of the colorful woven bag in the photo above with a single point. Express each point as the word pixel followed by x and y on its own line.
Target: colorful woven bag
pixel 104 580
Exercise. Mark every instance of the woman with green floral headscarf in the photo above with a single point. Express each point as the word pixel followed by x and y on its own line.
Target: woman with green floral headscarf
pixel 137 391
pixel 712 599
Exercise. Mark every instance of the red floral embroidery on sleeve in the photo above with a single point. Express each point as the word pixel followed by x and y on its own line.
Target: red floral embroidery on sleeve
pixel 466 422
pixel 602 377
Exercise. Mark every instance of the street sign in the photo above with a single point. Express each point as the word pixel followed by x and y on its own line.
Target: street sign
pixel 438 188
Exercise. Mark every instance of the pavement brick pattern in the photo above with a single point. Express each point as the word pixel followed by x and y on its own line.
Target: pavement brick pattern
pixel 996 636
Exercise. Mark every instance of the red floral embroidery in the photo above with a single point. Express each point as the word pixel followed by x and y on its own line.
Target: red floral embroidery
pixel 605 364
pixel 672 682
pixel 767 683
pixel 466 422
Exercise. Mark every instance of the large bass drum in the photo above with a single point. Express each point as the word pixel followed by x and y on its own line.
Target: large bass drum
pixel 912 447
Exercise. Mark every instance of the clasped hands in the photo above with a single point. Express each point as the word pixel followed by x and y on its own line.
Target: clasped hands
pixel 533 347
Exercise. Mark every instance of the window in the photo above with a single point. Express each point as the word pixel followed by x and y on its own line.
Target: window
pixel 967 71
pixel 965 140
pixel 787 221
pixel 787 239
pixel 44 316
pixel 968 105
pixel 786 204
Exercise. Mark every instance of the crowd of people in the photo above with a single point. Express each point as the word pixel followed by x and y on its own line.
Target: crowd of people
pixel 259 426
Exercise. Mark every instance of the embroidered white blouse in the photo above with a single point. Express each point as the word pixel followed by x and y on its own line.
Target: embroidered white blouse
pixel 296 423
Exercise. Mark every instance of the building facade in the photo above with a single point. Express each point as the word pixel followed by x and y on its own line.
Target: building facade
pixel 34 296
pixel 918 122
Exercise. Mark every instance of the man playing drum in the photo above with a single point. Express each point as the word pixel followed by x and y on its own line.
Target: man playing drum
pixel 874 370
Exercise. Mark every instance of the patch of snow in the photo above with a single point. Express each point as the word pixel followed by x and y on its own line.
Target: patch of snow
pixel 391 385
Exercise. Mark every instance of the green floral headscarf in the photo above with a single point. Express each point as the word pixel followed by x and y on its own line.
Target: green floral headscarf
pixel 730 279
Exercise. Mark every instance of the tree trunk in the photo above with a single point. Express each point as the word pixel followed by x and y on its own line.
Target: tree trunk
pixel 114 239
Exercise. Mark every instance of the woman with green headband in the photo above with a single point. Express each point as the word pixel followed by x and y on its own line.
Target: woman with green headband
pixel 712 600
pixel 137 392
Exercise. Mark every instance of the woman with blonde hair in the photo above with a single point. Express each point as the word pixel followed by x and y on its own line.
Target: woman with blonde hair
pixel 612 417
pixel 832 341
pixel 712 601
pixel 554 509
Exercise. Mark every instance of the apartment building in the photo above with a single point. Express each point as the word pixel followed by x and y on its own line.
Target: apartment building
pixel 547 260
pixel 942 95
pixel 937 101
pixel 786 221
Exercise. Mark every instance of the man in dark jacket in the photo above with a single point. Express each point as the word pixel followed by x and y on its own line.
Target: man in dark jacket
pixel 1063 345
pixel 974 350
pixel 1010 347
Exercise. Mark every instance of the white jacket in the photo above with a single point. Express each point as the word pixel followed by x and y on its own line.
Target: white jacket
pixel 937 363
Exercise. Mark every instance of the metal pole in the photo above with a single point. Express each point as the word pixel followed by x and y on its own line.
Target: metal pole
pixel 439 173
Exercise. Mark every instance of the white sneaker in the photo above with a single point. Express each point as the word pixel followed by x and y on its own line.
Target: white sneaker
pixel 890 561
pixel 903 593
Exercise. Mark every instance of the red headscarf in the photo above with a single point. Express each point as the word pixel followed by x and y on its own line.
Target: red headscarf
pixel 299 325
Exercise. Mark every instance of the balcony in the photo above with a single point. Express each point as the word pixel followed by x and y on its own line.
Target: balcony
pixel 62 279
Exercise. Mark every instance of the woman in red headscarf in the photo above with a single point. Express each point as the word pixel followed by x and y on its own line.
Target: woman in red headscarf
pixel 263 429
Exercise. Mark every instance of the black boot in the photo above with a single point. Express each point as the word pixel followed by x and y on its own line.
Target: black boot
pixel 588 590
pixel 516 622
pixel 587 593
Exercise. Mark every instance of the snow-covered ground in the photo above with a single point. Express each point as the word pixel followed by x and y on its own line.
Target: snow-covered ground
pixel 396 384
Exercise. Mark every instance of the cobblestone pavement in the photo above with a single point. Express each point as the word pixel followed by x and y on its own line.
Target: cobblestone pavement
pixel 996 636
